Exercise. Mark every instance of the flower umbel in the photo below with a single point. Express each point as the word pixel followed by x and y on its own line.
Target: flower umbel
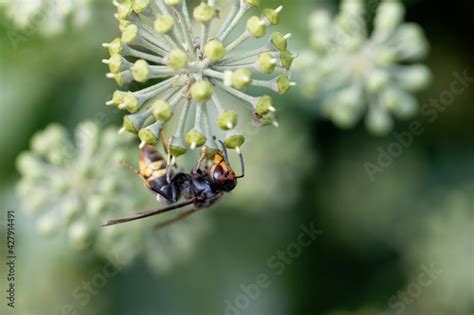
pixel 170 48
pixel 70 187
pixel 352 72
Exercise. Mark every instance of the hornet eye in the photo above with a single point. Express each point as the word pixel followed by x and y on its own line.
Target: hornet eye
pixel 229 185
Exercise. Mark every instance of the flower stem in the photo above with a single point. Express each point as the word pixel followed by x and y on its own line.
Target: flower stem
pixel 242 57
pixel 229 28
pixel 182 119
pixel 233 12
pixel 247 98
pixel 128 51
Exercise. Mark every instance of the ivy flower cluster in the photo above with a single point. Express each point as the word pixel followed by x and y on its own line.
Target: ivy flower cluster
pixel 71 187
pixel 49 17
pixel 351 72
pixel 181 69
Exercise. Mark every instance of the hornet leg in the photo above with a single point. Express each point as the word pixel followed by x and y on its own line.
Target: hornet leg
pixel 178 218
pixel 198 163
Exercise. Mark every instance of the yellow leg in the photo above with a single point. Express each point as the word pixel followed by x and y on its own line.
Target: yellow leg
pixel 166 144
pixel 198 163
pixel 167 149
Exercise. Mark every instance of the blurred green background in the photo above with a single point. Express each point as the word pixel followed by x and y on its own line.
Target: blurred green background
pixel 379 236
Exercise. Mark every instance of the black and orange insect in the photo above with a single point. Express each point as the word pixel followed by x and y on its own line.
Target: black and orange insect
pixel 202 187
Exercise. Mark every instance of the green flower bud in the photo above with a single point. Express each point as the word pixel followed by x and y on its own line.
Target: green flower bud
pixel 178 151
pixel 284 84
pixel 195 138
pixel 162 110
pixel 413 78
pixel 214 50
pixel 210 150
pixel 201 91
pixel 280 41
pixel 177 59
pixel 34 203
pixel 80 235
pixel 385 57
pixel 109 186
pixel 286 59
pixel 129 124
pixel 151 134
pixel 115 46
pixel 408 107
pixel 253 3
pixel 379 122
pixel 117 99
pixel 268 120
pixel 342 117
pixel 227 120
pixel 234 141
pixel 399 102
pixel 204 13
pixel 85 172
pixel 96 205
pixel 241 79
pixel 273 16
pixel 133 123
pixel 354 8
pixel 164 23
pixel 29 165
pixel 115 63
pixel 140 5
pixel 264 106
pixel 377 80
pixel 60 184
pixel 267 63
pixel 140 70
pixel 172 2
pixel 123 24
pixel 389 15
pixel 48 224
pixel 177 147
pixel 53 136
pixel 130 102
pixel 124 9
pixel 129 34
pixel 256 27
pixel 411 41
pixel 390 99
pixel 70 209
pixel 118 77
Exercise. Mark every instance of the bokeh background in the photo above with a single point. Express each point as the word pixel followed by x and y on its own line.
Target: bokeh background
pixel 399 242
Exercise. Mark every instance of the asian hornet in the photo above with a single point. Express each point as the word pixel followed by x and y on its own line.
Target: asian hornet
pixel 201 187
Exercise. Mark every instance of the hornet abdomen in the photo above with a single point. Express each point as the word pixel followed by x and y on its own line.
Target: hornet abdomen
pixel 153 168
